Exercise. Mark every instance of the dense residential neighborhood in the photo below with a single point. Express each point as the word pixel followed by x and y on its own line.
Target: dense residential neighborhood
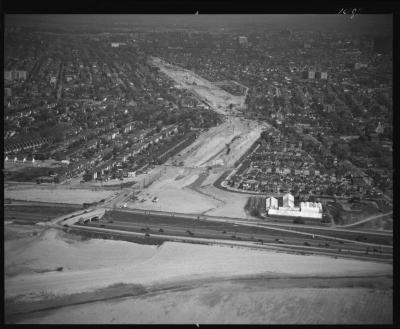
pixel 198 168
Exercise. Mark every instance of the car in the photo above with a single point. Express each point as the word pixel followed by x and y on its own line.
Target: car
pixel 280 241
pixel 147 234
pixel 143 229
pixel 160 230
pixel 224 231
pixel 306 243
pixel 260 240
pixel 102 225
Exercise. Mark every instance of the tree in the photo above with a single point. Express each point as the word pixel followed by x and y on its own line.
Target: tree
pixel 298 220
pixel 255 212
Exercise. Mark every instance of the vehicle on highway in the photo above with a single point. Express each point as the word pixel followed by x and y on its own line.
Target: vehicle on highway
pixel 160 230
pixel 306 243
pixel 155 199
pixel 147 234
pixel 224 231
pixel 280 241
pixel 190 232
pixel 261 241
pixel 102 225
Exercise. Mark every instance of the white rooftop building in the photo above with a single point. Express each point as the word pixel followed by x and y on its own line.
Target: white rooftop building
pixel 271 203
pixel 306 209
pixel 288 200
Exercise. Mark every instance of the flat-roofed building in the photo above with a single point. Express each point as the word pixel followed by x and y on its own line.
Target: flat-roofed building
pixel 288 200
pixel 271 203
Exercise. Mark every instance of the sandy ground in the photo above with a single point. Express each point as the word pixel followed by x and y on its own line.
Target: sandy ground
pixel 228 302
pixel 218 98
pixel 96 263
pixel 56 194
pixel 177 188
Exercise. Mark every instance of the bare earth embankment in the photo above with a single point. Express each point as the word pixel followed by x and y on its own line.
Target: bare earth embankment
pixel 55 193
pixel 179 188
pixel 89 265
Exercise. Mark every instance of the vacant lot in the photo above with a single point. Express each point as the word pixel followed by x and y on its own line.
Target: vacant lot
pixel 256 301
pixel 54 194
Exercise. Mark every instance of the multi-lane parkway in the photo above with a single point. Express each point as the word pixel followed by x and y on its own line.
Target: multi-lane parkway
pixel 199 229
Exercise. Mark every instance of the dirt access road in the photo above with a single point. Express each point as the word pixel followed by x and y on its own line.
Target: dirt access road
pixel 185 183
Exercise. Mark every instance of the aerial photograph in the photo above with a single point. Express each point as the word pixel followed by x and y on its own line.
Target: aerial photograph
pixel 198 168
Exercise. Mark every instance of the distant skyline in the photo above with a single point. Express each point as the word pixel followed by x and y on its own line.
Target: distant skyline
pixel 361 23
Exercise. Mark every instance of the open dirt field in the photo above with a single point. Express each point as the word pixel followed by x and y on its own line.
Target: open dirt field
pixel 93 264
pixel 234 303
pixel 56 193
pixel 181 189
pixel 89 265
pixel 218 98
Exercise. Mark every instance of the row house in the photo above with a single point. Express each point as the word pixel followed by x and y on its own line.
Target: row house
pixel 27 145
pixel 128 127
pixel 112 135
pixel 170 130
pixel 101 169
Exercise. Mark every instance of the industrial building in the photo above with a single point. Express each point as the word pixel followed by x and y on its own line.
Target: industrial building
pixel 306 209
pixel 288 200
pixel 271 203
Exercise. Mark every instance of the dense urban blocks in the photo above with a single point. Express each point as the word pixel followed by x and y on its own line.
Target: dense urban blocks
pixel 237 167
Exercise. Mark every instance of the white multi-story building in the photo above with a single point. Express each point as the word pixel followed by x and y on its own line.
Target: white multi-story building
pixel 311 209
pixel 271 203
pixel 306 209
pixel 288 201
